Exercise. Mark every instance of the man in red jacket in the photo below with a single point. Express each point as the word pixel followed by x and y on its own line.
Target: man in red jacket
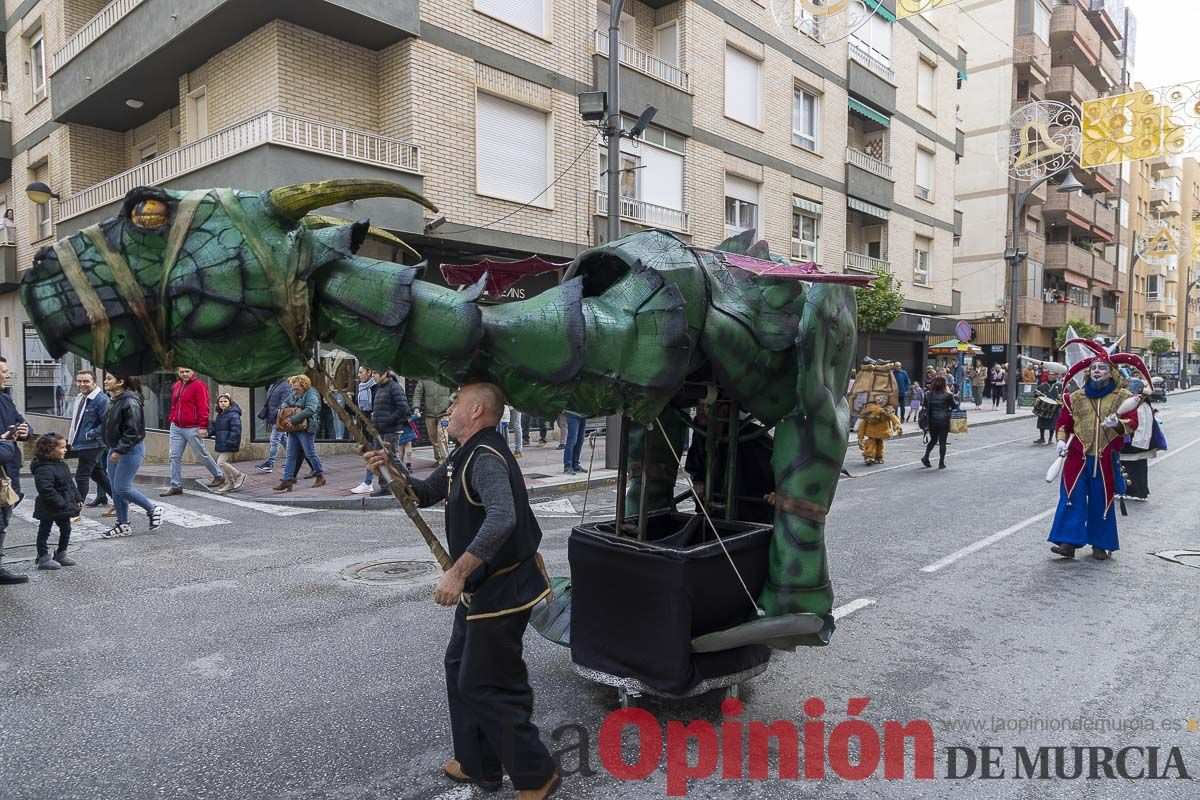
pixel 190 412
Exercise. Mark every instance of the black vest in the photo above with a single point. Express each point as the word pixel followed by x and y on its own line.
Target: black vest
pixel 514 580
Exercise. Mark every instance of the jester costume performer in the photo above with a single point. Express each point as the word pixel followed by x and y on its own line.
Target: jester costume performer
pixel 1091 431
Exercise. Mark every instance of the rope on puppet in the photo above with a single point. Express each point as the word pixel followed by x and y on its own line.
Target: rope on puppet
pixel 398 483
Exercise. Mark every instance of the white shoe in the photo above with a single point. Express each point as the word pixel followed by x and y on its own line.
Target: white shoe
pixel 362 488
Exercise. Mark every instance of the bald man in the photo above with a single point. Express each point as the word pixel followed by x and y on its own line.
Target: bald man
pixel 495 581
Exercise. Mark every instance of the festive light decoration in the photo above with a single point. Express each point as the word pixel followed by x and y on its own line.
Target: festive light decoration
pixel 913 8
pixel 1142 124
pixel 1041 138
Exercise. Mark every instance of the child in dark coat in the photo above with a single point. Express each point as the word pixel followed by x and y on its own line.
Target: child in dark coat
pixel 227 431
pixel 58 499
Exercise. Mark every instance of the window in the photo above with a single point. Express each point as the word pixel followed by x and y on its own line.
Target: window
pixel 197 113
pixel 1034 16
pixel 921 266
pixel 37 67
pixel 528 15
pixel 630 173
pixel 626 26
pixel 806 119
pixel 43 225
pixel 924 188
pixel 925 84
pixel 805 20
pixel 741 205
pixel 874 36
pixel 512 151
pixel 147 152
pixel 49 382
pixel 1154 285
pixel 806 235
pixel 666 43
pixel 743 87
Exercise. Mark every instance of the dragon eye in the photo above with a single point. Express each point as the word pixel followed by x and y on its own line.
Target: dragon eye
pixel 150 214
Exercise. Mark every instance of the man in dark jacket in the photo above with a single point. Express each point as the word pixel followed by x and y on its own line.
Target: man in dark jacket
pixel 496 579
pixel 902 384
pixel 84 438
pixel 13 429
pixel 389 413
pixel 277 392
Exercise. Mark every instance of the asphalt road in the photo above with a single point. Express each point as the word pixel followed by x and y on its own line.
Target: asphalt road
pixel 238 653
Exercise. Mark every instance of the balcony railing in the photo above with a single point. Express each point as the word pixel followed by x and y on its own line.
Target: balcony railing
pixel 860 54
pixel 644 213
pixel 864 263
pixel 110 15
pixel 269 127
pixel 646 63
pixel 871 164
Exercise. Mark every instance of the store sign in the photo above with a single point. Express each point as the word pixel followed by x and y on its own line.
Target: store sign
pixel 923 324
pixel 1168 364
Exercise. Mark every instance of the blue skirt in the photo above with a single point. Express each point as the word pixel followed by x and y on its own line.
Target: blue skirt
pixel 1081 519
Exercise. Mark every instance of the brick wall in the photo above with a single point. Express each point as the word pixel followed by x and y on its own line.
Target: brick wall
pixel 324 78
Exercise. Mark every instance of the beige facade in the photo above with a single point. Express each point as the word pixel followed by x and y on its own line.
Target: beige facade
pixel 1025 51
pixel 422 104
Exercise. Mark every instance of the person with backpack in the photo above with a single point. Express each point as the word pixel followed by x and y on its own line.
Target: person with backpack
pixel 939 404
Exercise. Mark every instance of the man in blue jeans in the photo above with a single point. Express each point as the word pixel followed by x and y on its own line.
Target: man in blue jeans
pixel 576 427
pixel 190 412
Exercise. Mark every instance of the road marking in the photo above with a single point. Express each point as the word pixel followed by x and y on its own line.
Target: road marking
pixel 266 508
pixel 184 518
pixel 559 505
pixel 948 452
pixel 82 531
pixel 460 793
pixel 995 537
pixel 854 605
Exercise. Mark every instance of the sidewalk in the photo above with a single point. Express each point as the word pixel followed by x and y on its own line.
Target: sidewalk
pixel 542 467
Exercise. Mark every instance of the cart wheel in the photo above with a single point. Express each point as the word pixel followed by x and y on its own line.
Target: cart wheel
pixel 628 698
pixel 733 691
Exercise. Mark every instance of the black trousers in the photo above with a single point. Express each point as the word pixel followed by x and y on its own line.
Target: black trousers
pixel 491 702
pixel 937 437
pixel 43 534
pixel 91 465
pixel 1138 473
pixel 527 421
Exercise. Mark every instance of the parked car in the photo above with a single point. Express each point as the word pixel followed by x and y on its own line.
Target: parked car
pixel 1158 389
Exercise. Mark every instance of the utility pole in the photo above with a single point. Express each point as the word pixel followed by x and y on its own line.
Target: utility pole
pixel 1189 284
pixel 1129 211
pixel 614 120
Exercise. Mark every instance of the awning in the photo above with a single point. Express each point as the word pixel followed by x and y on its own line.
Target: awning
pixel 962 75
pixel 1075 279
pixel 864 110
pixel 810 206
pixel 879 8
pixel 950 346
pixel 500 274
pixel 867 208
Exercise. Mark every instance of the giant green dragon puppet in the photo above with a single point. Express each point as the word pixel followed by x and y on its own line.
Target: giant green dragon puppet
pixel 240 285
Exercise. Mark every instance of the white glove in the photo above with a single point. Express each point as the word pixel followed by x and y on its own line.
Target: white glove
pixel 1062 449
pixel 1110 421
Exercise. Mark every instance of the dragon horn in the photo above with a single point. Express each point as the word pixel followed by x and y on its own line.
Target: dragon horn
pixel 1095 347
pixel 298 199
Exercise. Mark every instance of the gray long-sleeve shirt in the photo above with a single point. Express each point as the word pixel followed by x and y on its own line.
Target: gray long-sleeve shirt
pixel 489 485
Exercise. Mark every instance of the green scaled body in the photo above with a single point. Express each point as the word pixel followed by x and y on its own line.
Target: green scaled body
pixel 239 286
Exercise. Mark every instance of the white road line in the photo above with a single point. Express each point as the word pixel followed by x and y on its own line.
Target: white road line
pixel 460 793
pixel 188 519
pixel 266 508
pixel 81 531
pixel 995 537
pixel 949 452
pixel 854 605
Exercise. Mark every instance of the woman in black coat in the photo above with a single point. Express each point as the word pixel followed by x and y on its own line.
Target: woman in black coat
pixel 939 404
pixel 58 500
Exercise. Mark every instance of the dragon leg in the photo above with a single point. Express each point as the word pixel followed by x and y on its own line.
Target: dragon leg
pixel 662 468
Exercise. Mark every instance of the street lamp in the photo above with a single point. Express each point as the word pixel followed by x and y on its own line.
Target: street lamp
pixel 1015 256
pixel 39 192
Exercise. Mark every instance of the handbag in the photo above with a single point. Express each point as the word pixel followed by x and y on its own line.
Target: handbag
pixel 406 434
pixel 8 496
pixel 283 420
pixel 958 421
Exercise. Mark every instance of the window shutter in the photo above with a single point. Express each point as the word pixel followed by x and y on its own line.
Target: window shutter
pixel 741 189
pixel 741 86
pixel 924 169
pixel 511 145
pixel 924 83
pixel 529 15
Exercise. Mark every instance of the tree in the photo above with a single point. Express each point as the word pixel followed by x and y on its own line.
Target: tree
pixel 879 304
pixel 1083 329
pixel 1159 345
pixel 1196 347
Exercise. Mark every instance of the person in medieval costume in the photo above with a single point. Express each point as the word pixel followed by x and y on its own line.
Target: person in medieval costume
pixel 1142 446
pixel 879 422
pixel 1091 431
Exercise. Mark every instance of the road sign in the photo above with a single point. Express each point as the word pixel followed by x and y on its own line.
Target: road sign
pixel 963 331
pixel 963 347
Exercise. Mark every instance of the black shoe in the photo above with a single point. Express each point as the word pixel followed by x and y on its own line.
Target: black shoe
pixel 925 461
pixel 568 471
pixel 1100 554
pixel 9 578
pixel 941 465
pixel 1064 550
pixel 99 501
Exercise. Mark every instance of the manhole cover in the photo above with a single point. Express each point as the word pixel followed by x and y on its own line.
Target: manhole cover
pixel 1188 558
pixel 401 572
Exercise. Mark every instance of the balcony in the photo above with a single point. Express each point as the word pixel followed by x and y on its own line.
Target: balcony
pixel 1105 316
pixel 1072 208
pixel 1034 244
pixel 1031 52
pixel 1105 273
pixel 1068 85
pixel 1073 36
pixel 1159 307
pixel 1062 256
pixel 1029 311
pixel 863 263
pixel 1156 333
pixel 1101 179
pixel 1055 315
pixel 648 214
pixel 139 48
pixel 645 63
pixel 9 278
pixel 869 179
pixel 861 54
pixel 267 150
pixel 1109 16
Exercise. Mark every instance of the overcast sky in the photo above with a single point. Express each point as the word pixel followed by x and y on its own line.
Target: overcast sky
pixel 1168 50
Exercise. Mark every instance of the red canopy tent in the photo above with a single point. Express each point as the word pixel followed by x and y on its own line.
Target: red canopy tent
pixel 501 274
pixel 809 272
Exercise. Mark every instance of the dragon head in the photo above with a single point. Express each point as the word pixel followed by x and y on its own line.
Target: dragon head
pixel 177 276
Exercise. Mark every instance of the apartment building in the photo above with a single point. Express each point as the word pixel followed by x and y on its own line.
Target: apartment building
pixel 842 153
pixel 1068 51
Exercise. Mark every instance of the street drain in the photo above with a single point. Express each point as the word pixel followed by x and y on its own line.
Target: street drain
pixel 391 572
pixel 1187 558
